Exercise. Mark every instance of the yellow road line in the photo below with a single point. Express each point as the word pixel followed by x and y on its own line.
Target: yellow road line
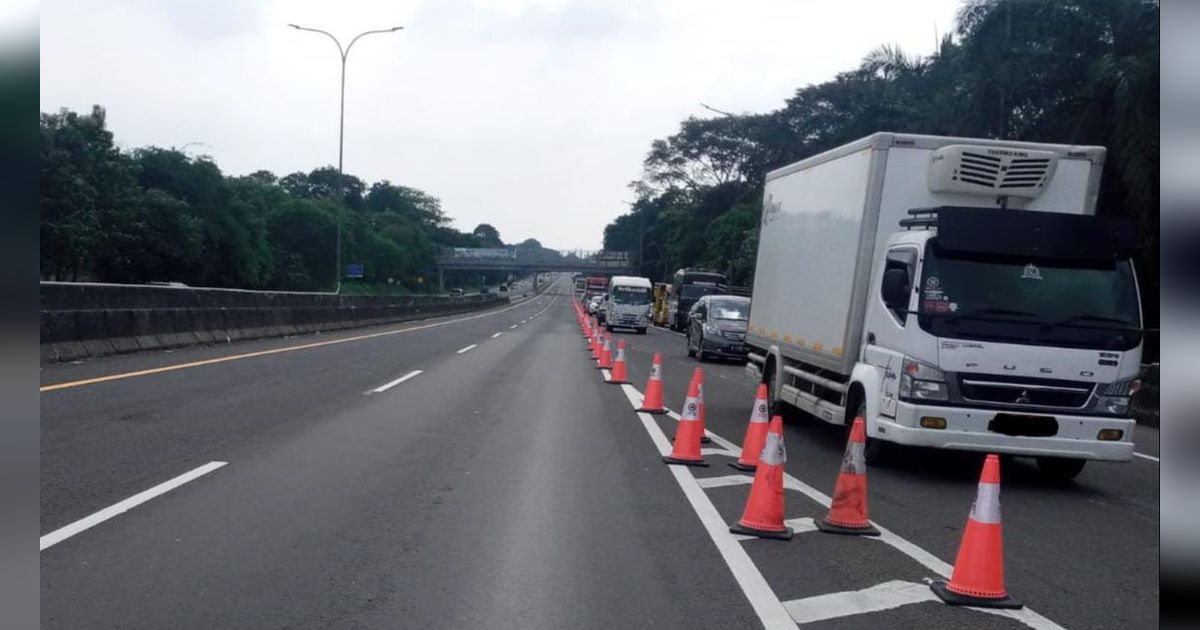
pixel 261 353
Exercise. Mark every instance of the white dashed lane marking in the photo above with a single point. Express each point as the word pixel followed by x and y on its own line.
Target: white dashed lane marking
pixel 88 522
pixel 391 384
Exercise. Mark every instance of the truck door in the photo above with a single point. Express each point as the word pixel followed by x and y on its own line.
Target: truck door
pixel 884 334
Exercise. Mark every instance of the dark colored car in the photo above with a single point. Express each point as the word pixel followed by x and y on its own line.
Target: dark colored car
pixel 717 327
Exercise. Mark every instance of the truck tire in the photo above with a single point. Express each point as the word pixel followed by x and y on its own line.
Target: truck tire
pixel 700 356
pixel 775 408
pixel 1060 469
pixel 641 331
pixel 876 451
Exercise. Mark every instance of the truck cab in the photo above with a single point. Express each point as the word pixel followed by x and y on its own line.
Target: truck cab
pixel 627 303
pixel 973 341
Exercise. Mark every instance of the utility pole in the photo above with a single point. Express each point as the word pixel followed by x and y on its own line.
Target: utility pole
pixel 343 53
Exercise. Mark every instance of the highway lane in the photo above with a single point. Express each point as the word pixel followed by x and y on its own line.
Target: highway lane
pixel 507 487
pixel 106 441
pixel 495 489
pixel 1083 554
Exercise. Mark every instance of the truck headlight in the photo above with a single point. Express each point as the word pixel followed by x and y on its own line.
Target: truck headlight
pixel 921 381
pixel 1115 399
pixel 709 329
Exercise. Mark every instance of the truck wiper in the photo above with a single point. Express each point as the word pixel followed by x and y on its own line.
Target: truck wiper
pixel 1088 318
pixel 981 313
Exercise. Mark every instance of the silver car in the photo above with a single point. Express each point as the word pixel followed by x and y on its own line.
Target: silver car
pixel 717 327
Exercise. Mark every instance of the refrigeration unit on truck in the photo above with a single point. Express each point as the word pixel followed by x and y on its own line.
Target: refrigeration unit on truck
pixel 956 293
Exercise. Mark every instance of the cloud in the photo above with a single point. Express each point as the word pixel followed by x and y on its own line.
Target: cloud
pixel 529 115
pixel 205 19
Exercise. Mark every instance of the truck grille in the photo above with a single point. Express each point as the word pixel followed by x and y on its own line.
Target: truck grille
pixel 733 335
pixel 1024 392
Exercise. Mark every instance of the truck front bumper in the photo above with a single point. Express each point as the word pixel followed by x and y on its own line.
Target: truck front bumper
pixel 967 430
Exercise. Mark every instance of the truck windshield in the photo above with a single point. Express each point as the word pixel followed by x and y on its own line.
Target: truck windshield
pixel 730 309
pixel 1039 302
pixel 696 291
pixel 631 295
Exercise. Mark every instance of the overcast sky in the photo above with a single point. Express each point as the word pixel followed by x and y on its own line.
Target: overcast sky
pixel 529 115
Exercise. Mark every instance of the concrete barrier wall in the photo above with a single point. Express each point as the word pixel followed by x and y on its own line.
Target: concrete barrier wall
pixel 88 319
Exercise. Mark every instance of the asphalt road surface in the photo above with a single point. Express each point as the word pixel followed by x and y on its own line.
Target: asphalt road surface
pixel 474 471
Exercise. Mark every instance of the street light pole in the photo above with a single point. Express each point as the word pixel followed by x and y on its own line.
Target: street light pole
pixel 343 53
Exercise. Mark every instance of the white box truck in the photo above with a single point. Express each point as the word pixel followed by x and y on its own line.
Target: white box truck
pixel 627 303
pixel 956 293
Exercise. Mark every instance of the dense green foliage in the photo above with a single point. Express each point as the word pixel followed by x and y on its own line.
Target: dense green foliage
pixel 1068 71
pixel 156 214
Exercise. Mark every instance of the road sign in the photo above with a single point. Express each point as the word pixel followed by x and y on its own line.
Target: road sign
pixel 354 271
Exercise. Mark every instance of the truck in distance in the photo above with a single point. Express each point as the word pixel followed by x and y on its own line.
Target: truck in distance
pixel 956 293
pixel 627 303
pixel 687 286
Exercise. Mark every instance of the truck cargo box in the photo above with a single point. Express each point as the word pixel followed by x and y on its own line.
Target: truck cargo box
pixel 825 218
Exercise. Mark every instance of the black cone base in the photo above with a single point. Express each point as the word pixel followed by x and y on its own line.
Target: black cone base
pixel 657 412
pixel 745 467
pixel 738 528
pixel 954 599
pixel 704 439
pixel 686 462
pixel 830 528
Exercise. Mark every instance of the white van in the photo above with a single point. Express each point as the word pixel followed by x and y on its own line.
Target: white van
pixel 627 303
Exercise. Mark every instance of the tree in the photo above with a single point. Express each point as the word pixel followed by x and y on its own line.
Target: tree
pixel 85 185
pixel 1073 71
pixel 160 214
pixel 487 235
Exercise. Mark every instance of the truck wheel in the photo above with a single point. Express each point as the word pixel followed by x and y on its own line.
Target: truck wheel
pixel 876 451
pixel 700 356
pixel 641 331
pixel 773 405
pixel 1060 469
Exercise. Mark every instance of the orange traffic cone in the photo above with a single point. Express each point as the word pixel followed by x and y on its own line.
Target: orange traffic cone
pixel 763 516
pixel 756 433
pixel 698 375
pixel 606 356
pixel 848 512
pixel 597 343
pixel 652 401
pixel 687 433
pixel 591 341
pixel 619 376
pixel 978 578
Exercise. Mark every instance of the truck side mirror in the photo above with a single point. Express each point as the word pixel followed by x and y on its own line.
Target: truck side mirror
pixel 895 289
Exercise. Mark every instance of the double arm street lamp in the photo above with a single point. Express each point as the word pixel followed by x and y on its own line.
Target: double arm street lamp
pixel 343 52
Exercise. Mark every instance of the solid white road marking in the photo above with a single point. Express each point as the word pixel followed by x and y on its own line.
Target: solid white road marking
pixel 387 386
pixel 766 604
pixel 88 522
pixel 724 480
pixel 874 599
pixel 800 526
pixel 467 349
pixel 1145 456
pixel 928 560
pixel 512 327
pixel 497 335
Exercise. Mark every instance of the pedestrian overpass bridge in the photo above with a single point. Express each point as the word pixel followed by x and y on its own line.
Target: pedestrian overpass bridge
pixel 524 261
